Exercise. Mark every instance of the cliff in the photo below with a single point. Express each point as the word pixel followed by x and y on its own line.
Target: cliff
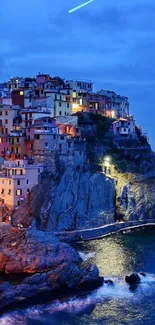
pixel 85 197
pixel 82 200
pixel 135 197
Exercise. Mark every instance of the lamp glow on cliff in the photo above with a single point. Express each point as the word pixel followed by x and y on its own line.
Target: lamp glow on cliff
pixel 107 161
pixel 113 114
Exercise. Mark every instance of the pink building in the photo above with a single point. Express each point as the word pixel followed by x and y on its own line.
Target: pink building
pixel 42 78
pixel 16 180
pixel 124 128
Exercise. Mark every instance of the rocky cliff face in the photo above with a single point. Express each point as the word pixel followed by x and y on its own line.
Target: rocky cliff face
pixel 82 200
pixel 135 197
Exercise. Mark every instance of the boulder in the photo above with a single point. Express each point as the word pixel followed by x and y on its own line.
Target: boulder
pixel 54 268
pixel 142 273
pixel 133 280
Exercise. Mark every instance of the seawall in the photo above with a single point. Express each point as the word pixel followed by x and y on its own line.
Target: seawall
pixel 97 233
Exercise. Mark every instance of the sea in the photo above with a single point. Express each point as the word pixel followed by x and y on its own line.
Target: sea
pixel 116 257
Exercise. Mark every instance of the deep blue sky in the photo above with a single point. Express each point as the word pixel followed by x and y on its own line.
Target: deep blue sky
pixel 109 41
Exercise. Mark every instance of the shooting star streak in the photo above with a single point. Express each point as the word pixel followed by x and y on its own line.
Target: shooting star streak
pixel 76 8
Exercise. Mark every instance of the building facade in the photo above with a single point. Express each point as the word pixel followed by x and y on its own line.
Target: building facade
pixel 16 180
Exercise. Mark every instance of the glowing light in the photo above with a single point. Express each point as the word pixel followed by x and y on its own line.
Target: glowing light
pixel 82 5
pixel 107 159
pixel 75 106
pixel 113 114
pixel 21 93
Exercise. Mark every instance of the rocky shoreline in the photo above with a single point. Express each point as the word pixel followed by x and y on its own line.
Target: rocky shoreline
pixel 52 269
pixel 55 267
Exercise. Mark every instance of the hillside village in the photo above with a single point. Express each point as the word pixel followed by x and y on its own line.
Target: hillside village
pixel 48 123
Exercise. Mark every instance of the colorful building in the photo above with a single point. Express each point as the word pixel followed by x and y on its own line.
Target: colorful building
pixel 124 128
pixel 16 180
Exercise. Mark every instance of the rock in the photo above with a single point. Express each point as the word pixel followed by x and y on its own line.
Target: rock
pixel 4 286
pixel 133 280
pixel 81 201
pixel 142 273
pixel 56 268
pixel 109 282
pixel 66 279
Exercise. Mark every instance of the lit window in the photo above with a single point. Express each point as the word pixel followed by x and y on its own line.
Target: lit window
pixel 0 140
pixel 74 94
pixel 21 93
pixel 18 192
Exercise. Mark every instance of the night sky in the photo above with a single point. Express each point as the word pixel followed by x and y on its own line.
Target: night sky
pixel 109 42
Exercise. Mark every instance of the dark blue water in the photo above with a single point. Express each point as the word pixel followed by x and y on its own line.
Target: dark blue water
pixel 115 257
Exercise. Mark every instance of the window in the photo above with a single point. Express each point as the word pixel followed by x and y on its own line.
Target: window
pixel 62 137
pixel 54 137
pixel 27 181
pixel 18 182
pixel 55 97
pixel 46 144
pixel 9 181
pixel 59 104
pixel 65 113
pixel 9 192
pixel 0 113
pixel 124 129
pixel 17 139
pixel 6 121
pixel 67 105
pixel 37 136
pixel 128 123
pixel 19 192
pixel 18 203
pixel 39 170
pixel 6 112
pixel 28 130
pixel 2 192
pixel 21 93
pixel 59 112
pixel 21 172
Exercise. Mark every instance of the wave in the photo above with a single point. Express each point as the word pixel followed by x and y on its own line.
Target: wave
pixel 76 305
pixel 87 256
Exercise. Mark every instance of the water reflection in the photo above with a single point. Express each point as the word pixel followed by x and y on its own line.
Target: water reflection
pixel 122 254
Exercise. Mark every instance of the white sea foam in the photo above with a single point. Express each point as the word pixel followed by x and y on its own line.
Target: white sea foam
pixel 87 256
pixel 76 305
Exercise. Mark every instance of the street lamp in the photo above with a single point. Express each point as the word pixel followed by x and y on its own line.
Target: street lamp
pixel 107 165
